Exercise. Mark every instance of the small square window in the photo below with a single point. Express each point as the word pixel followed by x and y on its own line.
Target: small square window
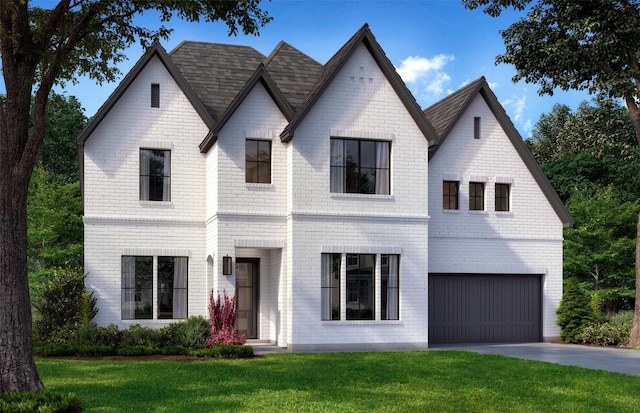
pixel 476 196
pixel 155 95
pixel 476 127
pixel 258 161
pixel 450 194
pixel 502 197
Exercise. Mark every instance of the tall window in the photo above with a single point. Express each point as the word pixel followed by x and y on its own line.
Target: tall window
pixel 155 95
pixel 137 287
pixel 172 287
pixel 502 197
pixel 360 166
pixel 258 161
pixel 390 297
pixel 155 175
pixel 476 196
pixel 360 286
pixel 476 127
pixel 450 194
pixel 330 287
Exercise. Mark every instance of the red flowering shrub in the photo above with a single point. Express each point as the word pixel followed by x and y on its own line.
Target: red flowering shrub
pixel 222 321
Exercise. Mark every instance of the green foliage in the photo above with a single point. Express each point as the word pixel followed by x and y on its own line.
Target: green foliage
pixel 137 335
pixel 225 351
pixel 191 333
pixel 600 248
pixel 574 312
pixel 39 402
pixel 141 350
pixel 61 301
pixel 614 331
pixel 55 228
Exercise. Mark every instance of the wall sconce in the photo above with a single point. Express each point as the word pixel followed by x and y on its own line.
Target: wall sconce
pixel 226 265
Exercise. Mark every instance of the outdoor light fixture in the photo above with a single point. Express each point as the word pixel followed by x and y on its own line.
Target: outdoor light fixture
pixel 226 265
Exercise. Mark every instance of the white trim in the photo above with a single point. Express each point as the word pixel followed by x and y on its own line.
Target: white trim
pixel 157 252
pixel 361 134
pixel 259 243
pixel 361 249
pixel 143 221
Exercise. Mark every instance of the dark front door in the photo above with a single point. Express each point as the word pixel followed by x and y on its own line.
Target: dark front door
pixel 247 270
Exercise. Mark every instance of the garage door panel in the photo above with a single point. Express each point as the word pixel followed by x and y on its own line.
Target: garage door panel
pixel 484 308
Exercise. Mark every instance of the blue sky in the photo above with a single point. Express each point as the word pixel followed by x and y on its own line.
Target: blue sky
pixel 437 46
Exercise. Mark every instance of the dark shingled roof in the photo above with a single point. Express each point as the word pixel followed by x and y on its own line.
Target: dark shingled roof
pixel 294 73
pixel 444 114
pixel 215 72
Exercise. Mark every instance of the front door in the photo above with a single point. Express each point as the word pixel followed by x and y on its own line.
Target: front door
pixel 247 270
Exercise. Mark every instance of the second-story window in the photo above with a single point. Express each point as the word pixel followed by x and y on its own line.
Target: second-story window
pixel 258 161
pixel 450 194
pixel 155 175
pixel 360 166
pixel 155 95
pixel 476 196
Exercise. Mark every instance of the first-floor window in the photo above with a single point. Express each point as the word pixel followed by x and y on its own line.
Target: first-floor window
pixel 363 279
pixel 137 287
pixel 331 286
pixel 389 287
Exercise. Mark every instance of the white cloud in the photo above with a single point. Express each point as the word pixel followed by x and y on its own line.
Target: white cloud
pixel 518 105
pixel 426 76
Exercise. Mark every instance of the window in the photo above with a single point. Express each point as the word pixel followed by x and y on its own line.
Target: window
pixel 450 194
pixel 360 287
pixel 360 166
pixel 258 161
pixel 502 197
pixel 155 95
pixel 476 196
pixel 137 287
pixel 389 287
pixel 155 175
pixel 476 127
pixel 330 287
pixel 172 287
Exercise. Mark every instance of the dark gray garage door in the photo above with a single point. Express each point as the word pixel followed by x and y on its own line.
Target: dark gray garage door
pixel 481 308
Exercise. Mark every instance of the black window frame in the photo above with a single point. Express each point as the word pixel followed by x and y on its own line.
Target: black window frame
pixel 331 290
pixel 141 290
pixel 358 173
pixel 361 288
pixel 155 95
pixel 450 201
pixel 476 127
pixel 476 200
pixel 257 169
pixel 155 189
pixel 502 197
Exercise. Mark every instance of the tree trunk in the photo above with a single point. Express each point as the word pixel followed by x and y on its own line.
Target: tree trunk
pixel 634 341
pixel 17 368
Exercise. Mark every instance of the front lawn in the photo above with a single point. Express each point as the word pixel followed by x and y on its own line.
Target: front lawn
pixel 342 382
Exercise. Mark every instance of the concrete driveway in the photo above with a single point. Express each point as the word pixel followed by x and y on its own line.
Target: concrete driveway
pixel 616 360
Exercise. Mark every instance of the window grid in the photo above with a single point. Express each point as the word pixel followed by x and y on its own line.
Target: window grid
pixel 258 161
pixel 476 127
pixel 155 175
pixel 502 197
pixel 331 286
pixel 155 95
pixel 476 196
pixel 450 194
pixel 360 166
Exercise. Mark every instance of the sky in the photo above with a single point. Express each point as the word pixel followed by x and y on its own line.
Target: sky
pixel 437 46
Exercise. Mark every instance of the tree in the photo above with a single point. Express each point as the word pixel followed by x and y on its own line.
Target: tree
pixel 39 48
pixel 574 312
pixel 588 45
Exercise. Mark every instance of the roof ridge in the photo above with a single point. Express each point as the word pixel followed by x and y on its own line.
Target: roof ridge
pixel 200 42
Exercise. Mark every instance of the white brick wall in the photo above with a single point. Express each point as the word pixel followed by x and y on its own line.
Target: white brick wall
pixel 526 240
pixel 115 219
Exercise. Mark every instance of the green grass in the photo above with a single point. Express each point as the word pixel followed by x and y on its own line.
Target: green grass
pixel 342 382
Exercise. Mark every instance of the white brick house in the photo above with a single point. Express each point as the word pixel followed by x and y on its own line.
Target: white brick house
pixel 334 197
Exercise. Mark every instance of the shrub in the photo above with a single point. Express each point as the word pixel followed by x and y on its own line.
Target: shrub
pixel 614 332
pixel 222 321
pixel 173 350
pixel 42 401
pixel 224 351
pixel 137 335
pixel 109 336
pixel 191 333
pixel 574 312
pixel 137 351
pixel 62 303
pixel 66 349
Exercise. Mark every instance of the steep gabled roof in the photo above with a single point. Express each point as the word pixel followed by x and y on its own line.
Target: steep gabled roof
pixel 337 62
pixel 216 72
pixel 294 72
pixel 445 114
pixel 156 50
pixel 259 76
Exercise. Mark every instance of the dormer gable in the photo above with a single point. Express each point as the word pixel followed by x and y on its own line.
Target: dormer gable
pixel 445 114
pixel 334 66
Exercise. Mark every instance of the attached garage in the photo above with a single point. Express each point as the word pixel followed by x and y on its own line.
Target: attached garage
pixel 484 308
